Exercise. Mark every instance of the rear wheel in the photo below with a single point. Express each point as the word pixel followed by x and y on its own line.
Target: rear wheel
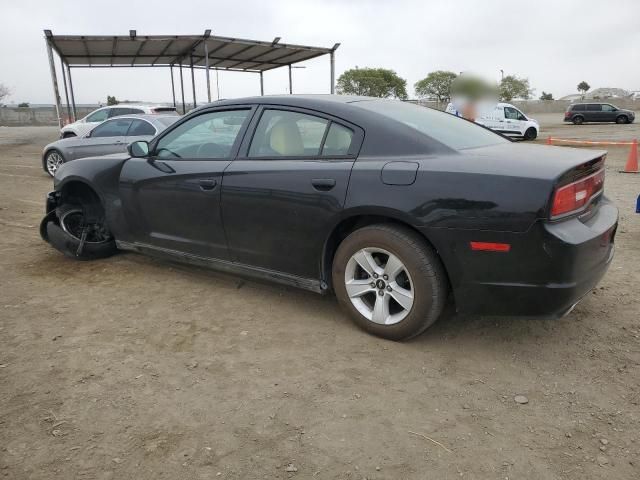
pixel 390 281
pixel 52 161
pixel 622 119
pixel 578 120
pixel 530 134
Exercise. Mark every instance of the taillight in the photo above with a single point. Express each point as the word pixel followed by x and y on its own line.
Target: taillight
pixel 567 114
pixel 574 196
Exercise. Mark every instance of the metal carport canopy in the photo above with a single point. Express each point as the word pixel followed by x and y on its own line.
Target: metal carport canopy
pixel 194 51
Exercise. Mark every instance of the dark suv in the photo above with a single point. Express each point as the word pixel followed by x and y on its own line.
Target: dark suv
pixel 597 112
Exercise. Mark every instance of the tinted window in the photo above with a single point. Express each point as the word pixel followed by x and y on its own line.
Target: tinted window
pixel 448 129
pixel 593 107
pixel 98 116
pixel 140 127
pixel 210 135
pixel 578 108
pixel 117 111
pixel 281 133
pixel 112 128
pixel 338 140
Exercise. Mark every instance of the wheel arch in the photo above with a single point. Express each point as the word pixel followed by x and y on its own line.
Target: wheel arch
pixel 359 219
pixel 75 188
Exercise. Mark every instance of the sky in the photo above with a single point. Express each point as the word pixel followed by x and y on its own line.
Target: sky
pixel 555 44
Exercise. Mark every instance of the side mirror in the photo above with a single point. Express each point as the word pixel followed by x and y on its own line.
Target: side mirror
pixel 139 149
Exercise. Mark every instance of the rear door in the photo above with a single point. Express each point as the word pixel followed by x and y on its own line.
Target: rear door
pixel 171 200
pixel 107 138
pixel 593 112
pixel 285 190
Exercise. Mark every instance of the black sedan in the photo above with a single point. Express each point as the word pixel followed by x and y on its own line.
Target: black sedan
pixel 394 207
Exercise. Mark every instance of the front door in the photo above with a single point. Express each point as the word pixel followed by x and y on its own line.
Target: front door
pixel 107 138
pixel 286 189
pixel 609 113
pixel 513 121
pixel 171 200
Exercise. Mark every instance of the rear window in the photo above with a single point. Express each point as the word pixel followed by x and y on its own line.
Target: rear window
pixel 448 129
pixel 166 121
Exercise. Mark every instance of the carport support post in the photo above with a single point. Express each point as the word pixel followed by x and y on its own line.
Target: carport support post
pixel 261 84
pixel 184 107
pixel 66 91
pixel 173 87
pixel 290 82
pixel 193 81
pixel 73 98
pixel 54 79
pixel 333 71
pixel 206 62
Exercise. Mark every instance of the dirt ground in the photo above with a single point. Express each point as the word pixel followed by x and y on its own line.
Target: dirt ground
pixel 132 368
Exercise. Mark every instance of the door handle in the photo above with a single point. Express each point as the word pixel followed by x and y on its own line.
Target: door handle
pixel 323 184
pixel 207 184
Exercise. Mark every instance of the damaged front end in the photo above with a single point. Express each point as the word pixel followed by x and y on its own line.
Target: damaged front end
pixel 76 228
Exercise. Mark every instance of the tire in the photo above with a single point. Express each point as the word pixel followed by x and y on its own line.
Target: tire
pixel 530 134
pixel 578 120
pixel 52 161
pixel 63 232
pixel 68 135
pixel 422 275
pixel 622 119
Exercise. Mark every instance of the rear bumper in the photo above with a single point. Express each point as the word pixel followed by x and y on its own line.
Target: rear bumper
pixel 548 270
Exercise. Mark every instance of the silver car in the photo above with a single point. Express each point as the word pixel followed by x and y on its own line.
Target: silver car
pixel 111 136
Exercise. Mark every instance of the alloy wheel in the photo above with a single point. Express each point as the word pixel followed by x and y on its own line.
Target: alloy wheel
pixel 379 286
pixel 54 160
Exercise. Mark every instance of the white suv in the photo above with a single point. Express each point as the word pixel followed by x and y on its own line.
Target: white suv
pixel 86 124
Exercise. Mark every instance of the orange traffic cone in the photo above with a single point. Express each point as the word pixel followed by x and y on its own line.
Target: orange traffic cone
pixel 549 140
pixel 632 161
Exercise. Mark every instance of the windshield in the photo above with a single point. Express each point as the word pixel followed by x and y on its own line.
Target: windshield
pixel 448 129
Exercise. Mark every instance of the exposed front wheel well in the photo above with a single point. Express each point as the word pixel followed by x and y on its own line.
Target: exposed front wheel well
pixel 350 225
pixel 79 193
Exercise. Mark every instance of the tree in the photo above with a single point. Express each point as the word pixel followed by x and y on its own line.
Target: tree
pixel 4 92
pixel 436 85
pixel 373 82
pixel 583 87
pixel 513 87
pixel 546 96
pixel 112 100
pixel 23 105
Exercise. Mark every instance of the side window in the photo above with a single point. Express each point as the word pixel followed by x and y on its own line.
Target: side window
pixel 98 116
pixel 579 108
pixel 210 135
pixel 284 134
pixel 112 128
pixel 140 127
pixel 607 108
pixel 117 111
pixel 594 107
pixel 338 141
pixel 134 110
pixel 511 113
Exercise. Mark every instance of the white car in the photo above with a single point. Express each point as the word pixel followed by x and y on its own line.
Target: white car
pixel 503 118
pixel 86 124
